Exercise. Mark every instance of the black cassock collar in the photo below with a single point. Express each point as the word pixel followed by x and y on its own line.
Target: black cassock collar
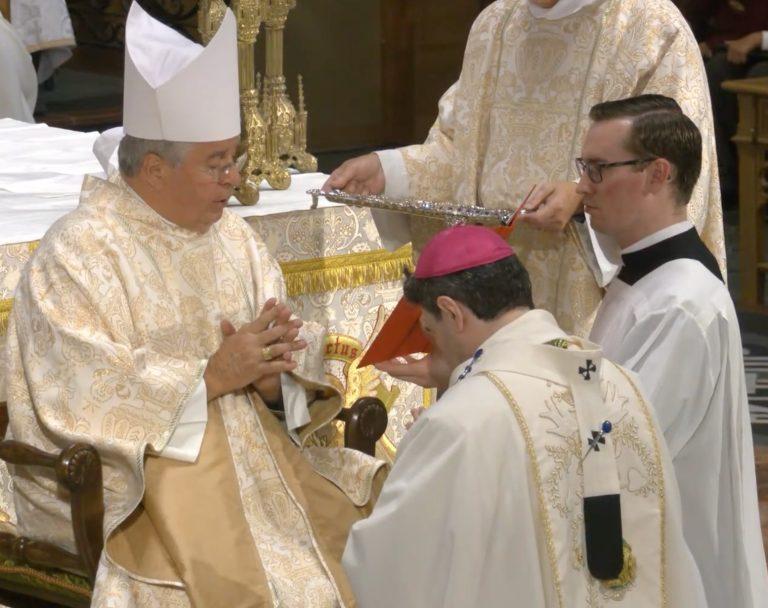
pixel 686 245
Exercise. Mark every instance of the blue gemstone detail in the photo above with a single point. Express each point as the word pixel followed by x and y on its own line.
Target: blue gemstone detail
pixel 607 427
pixel 468 368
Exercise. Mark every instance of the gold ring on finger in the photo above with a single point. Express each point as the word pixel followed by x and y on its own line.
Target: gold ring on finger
pixel 266 353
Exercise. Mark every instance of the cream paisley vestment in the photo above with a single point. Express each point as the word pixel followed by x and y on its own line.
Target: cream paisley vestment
pixel 114 319
pixel 518 114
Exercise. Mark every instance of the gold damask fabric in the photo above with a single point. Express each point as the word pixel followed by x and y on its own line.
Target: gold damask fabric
pixel 336 275
pixel 519 111
pixel 113 321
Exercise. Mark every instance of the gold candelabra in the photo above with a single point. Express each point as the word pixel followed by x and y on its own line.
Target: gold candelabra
pixel 274 134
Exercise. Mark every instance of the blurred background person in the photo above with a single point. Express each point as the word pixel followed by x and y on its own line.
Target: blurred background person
pixel 733 38
pixel 18 91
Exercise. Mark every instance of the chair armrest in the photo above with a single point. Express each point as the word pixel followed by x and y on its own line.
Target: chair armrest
pixel 78 468
pixel 39 554
pixel 364 424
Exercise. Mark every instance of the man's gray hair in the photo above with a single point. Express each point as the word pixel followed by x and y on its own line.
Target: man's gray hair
pixel 132 150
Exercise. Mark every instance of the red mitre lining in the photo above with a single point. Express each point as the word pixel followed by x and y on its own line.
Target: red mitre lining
pixel 451 250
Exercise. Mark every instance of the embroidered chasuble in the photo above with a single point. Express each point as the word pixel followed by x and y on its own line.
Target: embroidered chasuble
pixel 113 322
pixel 485 504
pixel 518 114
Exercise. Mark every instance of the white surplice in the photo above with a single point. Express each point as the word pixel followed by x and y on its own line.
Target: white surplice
pixel 483 507
pixel 676 327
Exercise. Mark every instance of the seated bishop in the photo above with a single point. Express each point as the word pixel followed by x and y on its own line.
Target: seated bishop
pixel 151 323
pixel 539 478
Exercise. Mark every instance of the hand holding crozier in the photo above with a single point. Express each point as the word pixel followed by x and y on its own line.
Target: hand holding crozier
pixel 257 353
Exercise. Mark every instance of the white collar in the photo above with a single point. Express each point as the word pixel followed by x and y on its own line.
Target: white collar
pixel 535 326
pixel 564 8
pixel 660 235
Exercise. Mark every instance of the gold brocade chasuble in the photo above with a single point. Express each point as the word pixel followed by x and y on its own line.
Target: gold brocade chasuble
pixel 113 321
pixel 520 109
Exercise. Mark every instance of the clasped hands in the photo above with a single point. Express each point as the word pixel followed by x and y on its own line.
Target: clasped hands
pixel 256 354
pixel 550 206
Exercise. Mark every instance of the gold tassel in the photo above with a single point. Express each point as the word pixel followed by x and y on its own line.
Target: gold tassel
pixel 346 271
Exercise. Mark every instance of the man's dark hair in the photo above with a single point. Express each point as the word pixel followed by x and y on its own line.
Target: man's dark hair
pixel 488 290
pixel 660 130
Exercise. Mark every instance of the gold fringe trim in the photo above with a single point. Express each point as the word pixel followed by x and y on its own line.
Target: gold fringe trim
pixel 346 271
pixel 5 313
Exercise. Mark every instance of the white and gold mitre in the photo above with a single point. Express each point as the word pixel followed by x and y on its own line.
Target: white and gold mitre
pixel 176 89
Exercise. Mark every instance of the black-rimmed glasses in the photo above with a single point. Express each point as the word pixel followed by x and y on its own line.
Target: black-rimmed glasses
pixel 594 169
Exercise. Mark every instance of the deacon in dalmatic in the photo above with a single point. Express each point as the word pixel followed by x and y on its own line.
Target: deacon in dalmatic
pixel 517 116
pixel 539 478
pixel 150 323
pixel 668 316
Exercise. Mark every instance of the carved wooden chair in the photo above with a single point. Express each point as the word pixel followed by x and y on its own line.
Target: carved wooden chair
pixel 42 570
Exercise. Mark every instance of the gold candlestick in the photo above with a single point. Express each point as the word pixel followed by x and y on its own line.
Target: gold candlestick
pixel 274 134
pixel 254 131
pixel 287 128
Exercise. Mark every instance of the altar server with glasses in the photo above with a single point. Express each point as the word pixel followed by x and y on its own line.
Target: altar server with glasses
pixel 668 316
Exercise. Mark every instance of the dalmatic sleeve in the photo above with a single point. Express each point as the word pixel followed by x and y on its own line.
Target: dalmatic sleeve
pixel 425 170
pixel 83 370
pixel 422 171
pixel 680 74
pixel 429 170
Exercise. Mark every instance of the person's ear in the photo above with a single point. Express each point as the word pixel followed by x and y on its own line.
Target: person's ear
pixel 154 170
pixel 452 312
pixel 660 173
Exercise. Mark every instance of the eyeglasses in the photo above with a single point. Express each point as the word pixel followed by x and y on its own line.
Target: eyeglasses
pixel 220 173
pixel 594 169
